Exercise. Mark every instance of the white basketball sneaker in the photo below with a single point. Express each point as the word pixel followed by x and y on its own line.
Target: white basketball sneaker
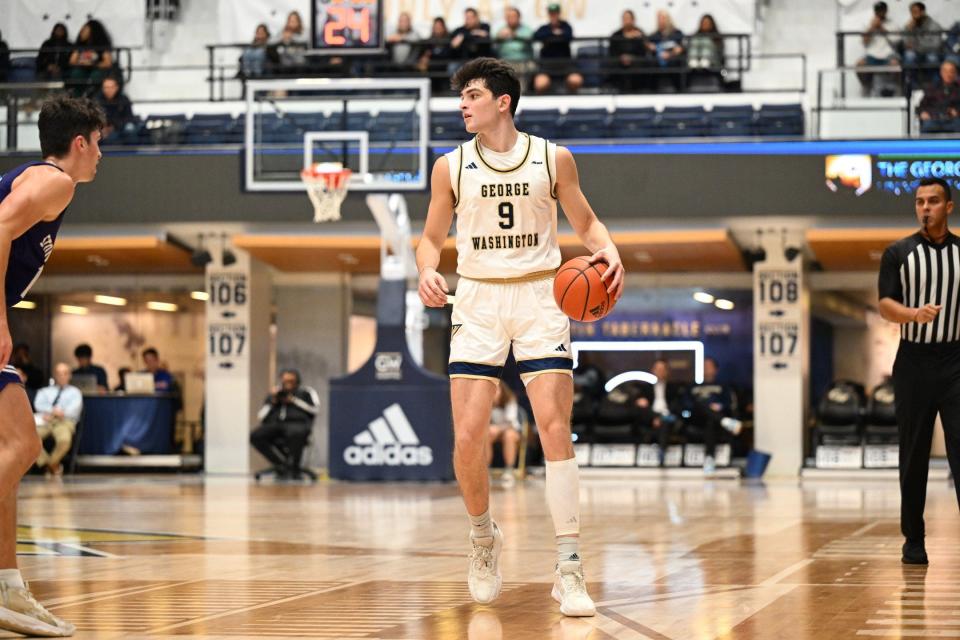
pixel 570 590
pixel 483 577
pixel 21 613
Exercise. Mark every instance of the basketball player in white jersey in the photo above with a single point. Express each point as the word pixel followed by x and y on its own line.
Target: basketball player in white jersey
pixel 504 186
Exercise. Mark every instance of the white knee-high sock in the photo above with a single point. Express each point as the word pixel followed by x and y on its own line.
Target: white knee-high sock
pixel 12 578
pixel 563 498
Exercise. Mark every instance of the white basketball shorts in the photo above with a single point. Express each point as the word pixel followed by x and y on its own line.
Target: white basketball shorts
pixel 489 316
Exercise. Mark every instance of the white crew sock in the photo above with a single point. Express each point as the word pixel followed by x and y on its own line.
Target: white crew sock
pixel 481 526
pixel 12 578
pixel 563 498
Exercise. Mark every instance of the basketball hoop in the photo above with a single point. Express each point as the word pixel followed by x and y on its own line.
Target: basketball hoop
pixel 327 184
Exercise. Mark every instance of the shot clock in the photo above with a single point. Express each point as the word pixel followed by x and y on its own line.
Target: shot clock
pixel 342 27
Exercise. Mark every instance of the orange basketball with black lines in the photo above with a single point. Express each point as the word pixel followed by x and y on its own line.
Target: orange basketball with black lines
pixel 579 291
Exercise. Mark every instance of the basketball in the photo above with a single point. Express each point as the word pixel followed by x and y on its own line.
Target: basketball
pixel 579 290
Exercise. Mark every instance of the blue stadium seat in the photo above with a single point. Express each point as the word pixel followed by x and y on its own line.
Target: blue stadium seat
pixel 633 123
pixel 22 69
pixel 163 130
pixel 394 126
pixel 682 122
pixel 731 120
pixel 543 122
pixel 590 62
pixel 780 120
pixel 213 128
pixel 447 125
pixel 585 124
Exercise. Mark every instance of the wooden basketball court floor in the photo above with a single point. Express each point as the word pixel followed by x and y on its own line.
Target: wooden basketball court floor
pixel 180 557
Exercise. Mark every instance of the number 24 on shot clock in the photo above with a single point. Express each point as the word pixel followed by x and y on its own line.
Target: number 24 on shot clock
pixel 348 26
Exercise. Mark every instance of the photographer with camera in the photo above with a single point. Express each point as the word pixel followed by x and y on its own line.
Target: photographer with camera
pixel 286 419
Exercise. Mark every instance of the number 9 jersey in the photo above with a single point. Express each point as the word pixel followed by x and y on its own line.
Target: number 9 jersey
pixel 506 208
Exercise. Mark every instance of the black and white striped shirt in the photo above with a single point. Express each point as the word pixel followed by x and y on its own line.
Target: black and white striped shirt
pixel 916 272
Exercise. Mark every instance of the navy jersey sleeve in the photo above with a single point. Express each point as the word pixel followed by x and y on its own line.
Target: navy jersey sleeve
pixel 889 285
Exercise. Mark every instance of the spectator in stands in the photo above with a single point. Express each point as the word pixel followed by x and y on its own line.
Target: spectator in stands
pixel 628 45
pixel 505 427
pixel 57 410
pixel 288 53
pixel 556 59
pixel 923 43
pixel 712 406
pixel 4 59
pixel 939 110
pixel 403 52
pixel 472 40
pixel 705 55
pixel 879 47
pixel 436 55
pixel 253 60
pixel 953 43
pixel 666 43
pixel 85 367
pixel 286 419
pixel 54 57
pixel 20 358
pixel 515 44
pixel 92 57
pixel 119 110
pixel 163 381
pixel 706 46
pixel 121 373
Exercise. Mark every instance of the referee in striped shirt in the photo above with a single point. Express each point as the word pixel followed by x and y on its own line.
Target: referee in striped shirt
pixel 919 289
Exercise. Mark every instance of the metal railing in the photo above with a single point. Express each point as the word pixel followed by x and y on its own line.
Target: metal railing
pixel 590 55
pixel 837 100
pixel 949 46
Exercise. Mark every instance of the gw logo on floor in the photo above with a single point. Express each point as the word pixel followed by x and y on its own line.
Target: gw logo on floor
pixel 388 440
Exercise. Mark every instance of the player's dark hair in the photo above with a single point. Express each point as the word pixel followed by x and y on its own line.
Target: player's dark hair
pixel 150 351
pixel 943 184
pixel 919 5
pixel 62 119
pixel 83 351
pixel 498 76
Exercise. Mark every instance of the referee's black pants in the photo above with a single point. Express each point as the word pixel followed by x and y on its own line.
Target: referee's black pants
pixel 926 380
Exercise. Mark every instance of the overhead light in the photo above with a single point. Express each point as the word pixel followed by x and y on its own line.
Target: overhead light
pixel 200 295
pixel 348 259
pixel 74 309
pixel 25 304
pixel 726 305
pixel 111 300
pixel 98 261
pixel 704 297
pixel 161 306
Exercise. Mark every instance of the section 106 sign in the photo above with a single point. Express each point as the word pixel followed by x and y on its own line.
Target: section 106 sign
pixel 227 310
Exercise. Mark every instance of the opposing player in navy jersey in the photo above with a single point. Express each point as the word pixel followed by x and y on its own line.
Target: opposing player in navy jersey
pixel 33 200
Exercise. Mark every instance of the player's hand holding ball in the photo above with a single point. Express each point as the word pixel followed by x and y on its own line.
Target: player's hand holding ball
pixel 613 276
pixel 432 288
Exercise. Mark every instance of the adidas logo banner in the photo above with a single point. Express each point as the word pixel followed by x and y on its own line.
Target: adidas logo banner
pixel 388 440
pixel 391 432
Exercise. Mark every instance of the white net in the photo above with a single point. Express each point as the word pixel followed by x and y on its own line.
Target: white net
pixel 327 184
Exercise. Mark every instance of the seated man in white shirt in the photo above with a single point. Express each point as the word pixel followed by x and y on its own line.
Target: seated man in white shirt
pixel 57 409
